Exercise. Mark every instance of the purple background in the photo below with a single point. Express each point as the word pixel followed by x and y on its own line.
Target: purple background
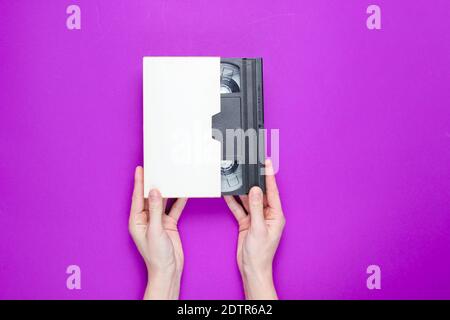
pixel 364 119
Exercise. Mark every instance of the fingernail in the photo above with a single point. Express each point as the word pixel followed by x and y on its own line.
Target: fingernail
pixel 154 194
pixel 256 193
pixel 138 172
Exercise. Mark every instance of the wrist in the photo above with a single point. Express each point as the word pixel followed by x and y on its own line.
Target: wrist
pixel 163 285
pixel 258 284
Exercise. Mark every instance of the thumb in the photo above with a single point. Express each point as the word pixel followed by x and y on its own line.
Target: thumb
pixel 256 208
pixel 155 208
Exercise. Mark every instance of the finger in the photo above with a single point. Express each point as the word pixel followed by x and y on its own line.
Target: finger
pixel 141 218
pixel 155 207
pixel 177 208
pixel 244 224
pixel 169 224
pixel 165 204
pixel 244 200
pixel 145 204
pixel 235 208
pixel 265 201
pixel 255 202
pixel 137 203
pixel 273 197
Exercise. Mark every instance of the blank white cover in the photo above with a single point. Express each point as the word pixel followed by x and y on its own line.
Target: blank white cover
pixel 181 94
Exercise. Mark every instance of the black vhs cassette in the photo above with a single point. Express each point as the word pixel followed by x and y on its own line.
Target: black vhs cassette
pixel 240 125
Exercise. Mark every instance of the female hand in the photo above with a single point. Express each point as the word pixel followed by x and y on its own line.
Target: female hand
pixel 155 234
pixel 261 222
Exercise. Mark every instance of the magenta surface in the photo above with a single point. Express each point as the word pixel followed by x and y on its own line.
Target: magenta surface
pixel 364 119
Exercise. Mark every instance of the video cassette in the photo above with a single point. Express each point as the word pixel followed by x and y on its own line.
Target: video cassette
pixel 241 119
pixel 203 125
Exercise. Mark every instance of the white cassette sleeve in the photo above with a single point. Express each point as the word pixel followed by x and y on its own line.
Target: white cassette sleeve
pixel 180 96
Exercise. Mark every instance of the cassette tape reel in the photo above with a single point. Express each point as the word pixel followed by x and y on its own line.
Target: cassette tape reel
pixel 231 175
pixel 230 78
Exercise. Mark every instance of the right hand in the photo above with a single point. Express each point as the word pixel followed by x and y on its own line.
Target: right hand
pixel 261 223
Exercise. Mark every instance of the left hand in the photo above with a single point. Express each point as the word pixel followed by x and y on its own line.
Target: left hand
pixel 155 234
